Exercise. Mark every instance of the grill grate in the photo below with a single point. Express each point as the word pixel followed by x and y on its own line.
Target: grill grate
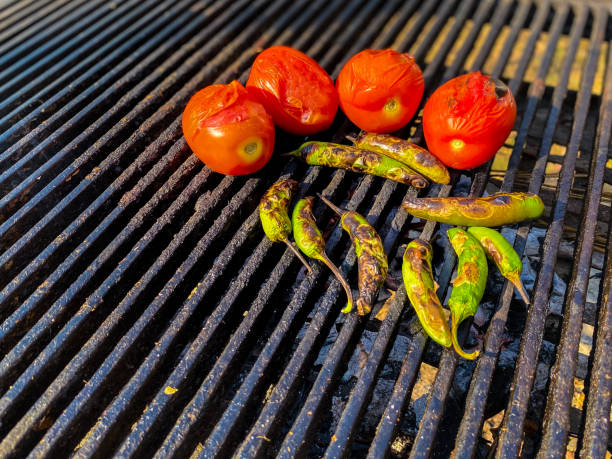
pixel 143 311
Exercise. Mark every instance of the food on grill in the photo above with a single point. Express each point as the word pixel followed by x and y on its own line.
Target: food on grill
pixel 228 129
pixel 502 254
pixel 310 241
pixel 495 210
pixel 405 152
pixel 295 90
pixel 467 119
pixel 358 160
pixel 380 90
pixel 274 216
pixel 469 285
pixel 421 290
pixel 371 257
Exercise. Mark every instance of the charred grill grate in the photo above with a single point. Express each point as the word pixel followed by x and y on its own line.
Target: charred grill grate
pixel 143 312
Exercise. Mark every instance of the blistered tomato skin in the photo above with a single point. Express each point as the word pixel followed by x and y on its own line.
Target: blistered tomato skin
pixel 467 119
pixel 228 129
pixel 380 90
pixel 294 89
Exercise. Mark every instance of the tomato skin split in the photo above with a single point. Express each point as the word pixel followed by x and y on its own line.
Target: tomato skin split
pixel 380 90
pixel 228 129
pixel 296 91
pixel 467 119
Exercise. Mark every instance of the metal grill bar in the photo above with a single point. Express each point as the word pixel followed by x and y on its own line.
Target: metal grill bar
pixel 483 374
pixel 248 191
pixel 410 364
pixel 27 41
pixel 10 177
pixel 448 364
pixel 109 164
pixel 361 392
pixel 597 415
pixel 125 335
pixel 176 126
pixel 266 419
pixel 77 192
pixel 556 422
pixel 221 430
pixel 514 417
pixel 27 16
pixel 116 33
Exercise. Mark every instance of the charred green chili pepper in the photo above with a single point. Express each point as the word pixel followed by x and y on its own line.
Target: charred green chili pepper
pixel 406 153
pixel 274 216
pixel 503 255
pixel 495 210
pixel 358 160
pixel 421 290
pixel 310 241
pixel 469 285
pixel 372 261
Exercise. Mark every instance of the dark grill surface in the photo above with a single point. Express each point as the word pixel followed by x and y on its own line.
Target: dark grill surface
pixel 145 314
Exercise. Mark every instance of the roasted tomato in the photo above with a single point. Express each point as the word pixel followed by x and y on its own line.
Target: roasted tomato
pixel 295 90
pixel 228 129
pixel 380 90
pixel 467 119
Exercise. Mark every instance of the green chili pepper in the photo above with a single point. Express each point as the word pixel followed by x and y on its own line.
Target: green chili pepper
pixel 273 213
pixel 421 290
pixel 358 160
pixel 469 285
pixel 495 210
pixel 503 255
pixel 372 261
pixel 310 241
pixel 406 153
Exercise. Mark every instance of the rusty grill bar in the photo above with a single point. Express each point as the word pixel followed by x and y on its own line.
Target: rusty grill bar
pixel 145 314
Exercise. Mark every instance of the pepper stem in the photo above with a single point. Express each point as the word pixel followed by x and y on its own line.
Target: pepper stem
pixel 297 253
pixel 521 289
pixel 455 326
pixel 331 204
pixel 295 153
pixel 350 138
pixel 349 296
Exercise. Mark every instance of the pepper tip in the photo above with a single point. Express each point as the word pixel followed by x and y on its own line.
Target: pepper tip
pixel 469 356
pixel 521 289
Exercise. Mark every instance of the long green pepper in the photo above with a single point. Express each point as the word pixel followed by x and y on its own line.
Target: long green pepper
pixel 421 290
pixel 274 216
pixel 495 210
pixel 413 156
pixel 372 260
pixel 469 285
pixel 310 241
pixel 358 160
pixel 499 250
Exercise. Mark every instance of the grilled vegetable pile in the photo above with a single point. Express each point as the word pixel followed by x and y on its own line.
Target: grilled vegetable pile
pixel 472 247
pixel 231 128
pixel 372 260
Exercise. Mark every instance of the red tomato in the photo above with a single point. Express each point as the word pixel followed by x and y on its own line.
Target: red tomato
pixel 467 119
pixel 295 90
pixel 228 129
pixel 380 90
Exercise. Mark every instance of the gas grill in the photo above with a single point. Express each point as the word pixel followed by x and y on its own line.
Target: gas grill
pixel 144 313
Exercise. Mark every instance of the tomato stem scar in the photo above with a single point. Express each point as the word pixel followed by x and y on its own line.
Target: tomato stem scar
pixel 391 105
pixel 250 148
pixel 457 143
